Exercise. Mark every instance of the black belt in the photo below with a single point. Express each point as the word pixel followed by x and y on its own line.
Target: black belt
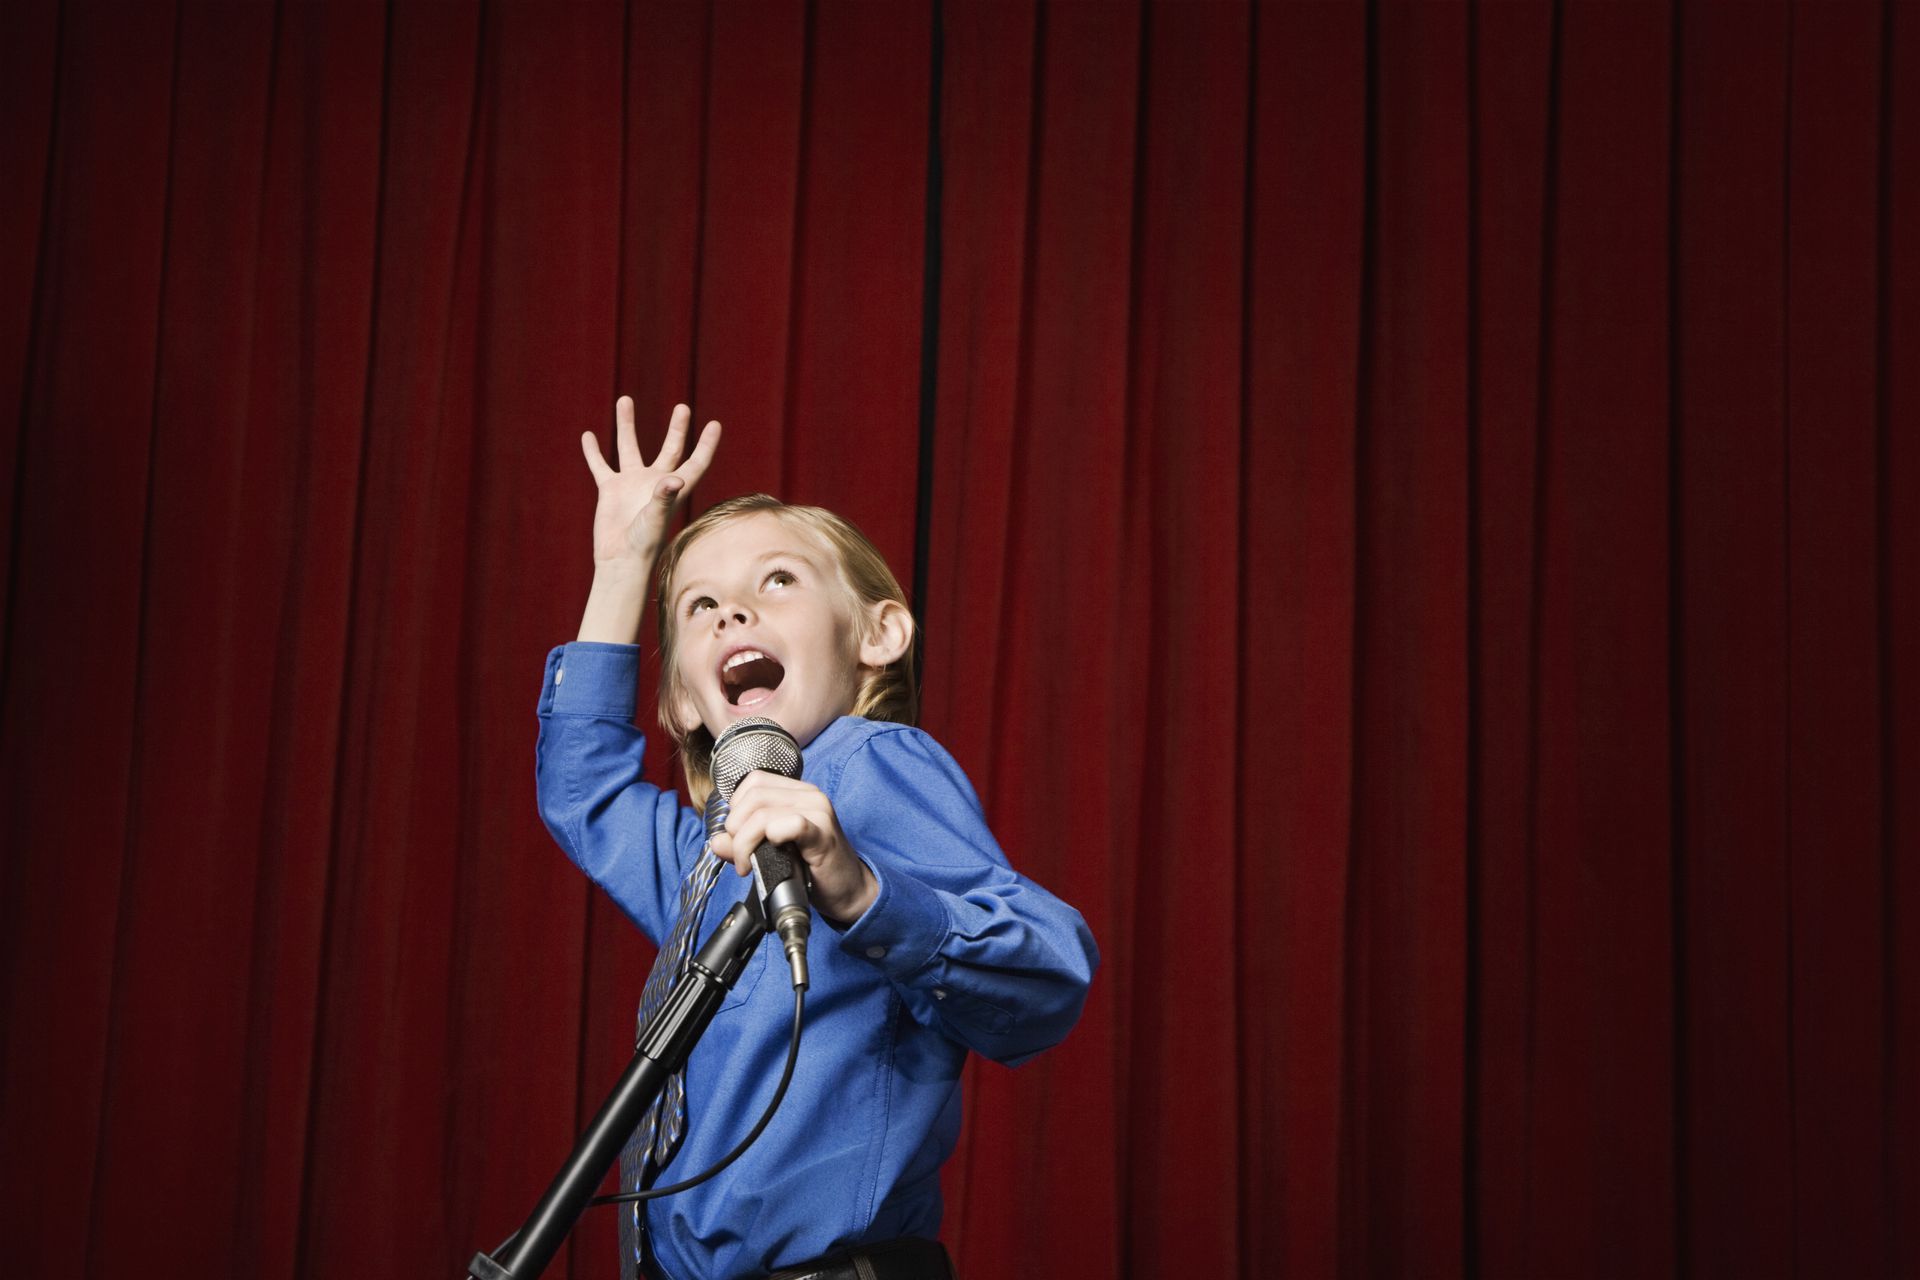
pixel 908 1258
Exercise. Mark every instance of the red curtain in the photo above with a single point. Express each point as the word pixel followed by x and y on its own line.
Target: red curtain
pixel 1415 509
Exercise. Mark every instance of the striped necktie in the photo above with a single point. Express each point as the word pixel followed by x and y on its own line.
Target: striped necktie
pixel 657 1138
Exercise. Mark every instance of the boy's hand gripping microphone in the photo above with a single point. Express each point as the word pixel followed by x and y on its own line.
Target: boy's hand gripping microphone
pixel 759 743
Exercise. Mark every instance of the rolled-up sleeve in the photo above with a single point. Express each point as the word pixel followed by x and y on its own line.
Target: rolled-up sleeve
pixel 629 836
pixel 974 948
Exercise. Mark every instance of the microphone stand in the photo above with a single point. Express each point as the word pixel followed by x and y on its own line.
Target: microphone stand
pixel 663 1050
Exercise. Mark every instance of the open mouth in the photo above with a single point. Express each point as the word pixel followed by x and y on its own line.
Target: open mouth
pixel 749 677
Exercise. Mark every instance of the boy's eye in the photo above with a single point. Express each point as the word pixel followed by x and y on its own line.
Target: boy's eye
pixel 780 578
pixel 698 603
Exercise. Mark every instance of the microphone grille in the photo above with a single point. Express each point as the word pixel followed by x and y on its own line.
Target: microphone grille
pixel 753 743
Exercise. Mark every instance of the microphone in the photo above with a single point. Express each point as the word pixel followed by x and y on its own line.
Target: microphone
pixel 759 743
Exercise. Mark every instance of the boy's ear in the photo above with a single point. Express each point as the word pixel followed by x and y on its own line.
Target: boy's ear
pixel 889 634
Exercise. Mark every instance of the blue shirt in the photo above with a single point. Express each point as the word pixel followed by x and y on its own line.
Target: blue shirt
pixel 957 952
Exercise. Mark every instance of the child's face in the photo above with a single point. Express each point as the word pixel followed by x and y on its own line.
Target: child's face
pixel 764 627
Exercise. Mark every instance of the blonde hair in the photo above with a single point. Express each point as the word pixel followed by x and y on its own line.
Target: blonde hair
pixel 885 693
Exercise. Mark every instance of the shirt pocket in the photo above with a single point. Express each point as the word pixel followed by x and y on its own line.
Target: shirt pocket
pixel 750 974
pixel 756 965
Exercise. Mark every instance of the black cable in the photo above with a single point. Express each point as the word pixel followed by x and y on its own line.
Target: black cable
pixel 786 1077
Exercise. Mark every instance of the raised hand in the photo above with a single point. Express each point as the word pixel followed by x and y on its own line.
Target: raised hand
pixel 637 500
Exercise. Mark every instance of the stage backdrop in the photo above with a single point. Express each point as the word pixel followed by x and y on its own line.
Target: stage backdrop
pixel 1415 509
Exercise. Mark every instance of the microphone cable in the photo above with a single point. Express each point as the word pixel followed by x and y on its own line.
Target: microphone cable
pixel 779 1092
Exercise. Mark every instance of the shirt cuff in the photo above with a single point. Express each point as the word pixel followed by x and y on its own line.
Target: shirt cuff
pixel 904 928
pixel 588 678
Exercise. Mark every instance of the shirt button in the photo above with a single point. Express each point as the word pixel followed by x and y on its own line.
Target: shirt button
pixel 559 674
pixel 939 993
pixel 874 953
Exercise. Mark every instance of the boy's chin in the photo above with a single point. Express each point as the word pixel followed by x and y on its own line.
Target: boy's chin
pixel 804 729
pixel 805 723
pixel 735 715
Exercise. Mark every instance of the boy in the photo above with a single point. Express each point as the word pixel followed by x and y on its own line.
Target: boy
pixel 927 943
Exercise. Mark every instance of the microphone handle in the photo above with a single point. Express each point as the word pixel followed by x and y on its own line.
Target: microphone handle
pixel 778 875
